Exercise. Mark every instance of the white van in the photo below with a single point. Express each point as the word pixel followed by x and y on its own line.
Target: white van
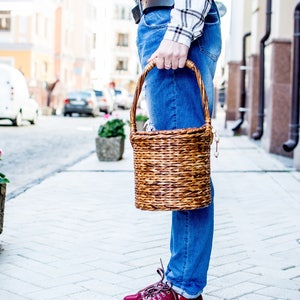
pixel 15 102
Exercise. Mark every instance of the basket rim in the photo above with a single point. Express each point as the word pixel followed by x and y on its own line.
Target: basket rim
pixel 190 130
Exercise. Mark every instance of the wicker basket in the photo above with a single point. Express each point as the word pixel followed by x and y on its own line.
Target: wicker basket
pixel 172 167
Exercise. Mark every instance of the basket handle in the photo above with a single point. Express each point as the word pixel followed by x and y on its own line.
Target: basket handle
pixel 189 64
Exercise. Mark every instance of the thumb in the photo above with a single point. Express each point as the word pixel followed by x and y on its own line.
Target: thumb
pixel 152 57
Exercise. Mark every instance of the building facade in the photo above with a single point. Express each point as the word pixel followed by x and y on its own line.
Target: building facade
pixel 62 45
pixel 116 54
pixel 75 35
pixel 25 32
pixel 260 73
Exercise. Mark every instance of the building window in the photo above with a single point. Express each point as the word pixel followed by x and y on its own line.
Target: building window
pixel 5 20
pixel 122 40
pixel 122 64
pixel 122 12
pixel 94 41
pixel 45 68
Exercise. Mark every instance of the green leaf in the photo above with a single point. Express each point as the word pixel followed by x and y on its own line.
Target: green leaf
pixel 112 128
pixel 142 118
pixel 3 178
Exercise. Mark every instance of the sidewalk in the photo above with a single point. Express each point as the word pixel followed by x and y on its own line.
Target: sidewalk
pixel 77 235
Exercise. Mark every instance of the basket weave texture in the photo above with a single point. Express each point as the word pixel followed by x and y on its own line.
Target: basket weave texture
pixel 172 167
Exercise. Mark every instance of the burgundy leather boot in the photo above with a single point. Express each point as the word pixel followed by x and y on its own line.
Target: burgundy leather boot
pixel 158 290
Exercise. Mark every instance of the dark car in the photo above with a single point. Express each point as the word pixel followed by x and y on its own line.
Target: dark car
pixel 81 102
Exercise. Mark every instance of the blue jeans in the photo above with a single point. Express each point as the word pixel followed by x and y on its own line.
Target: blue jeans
pixel 174 101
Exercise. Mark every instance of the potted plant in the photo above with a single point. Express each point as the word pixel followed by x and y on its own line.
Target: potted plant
pixel 3 182
pixel 141 118
pixel 111 139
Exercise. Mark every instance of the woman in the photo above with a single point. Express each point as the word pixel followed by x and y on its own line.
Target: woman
pixel 169 32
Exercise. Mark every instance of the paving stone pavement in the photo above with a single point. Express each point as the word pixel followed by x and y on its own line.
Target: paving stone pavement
pixel 77 235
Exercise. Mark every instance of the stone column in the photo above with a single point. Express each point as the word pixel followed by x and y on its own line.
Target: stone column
pixel 278 79
pixel 258 21
pixel 278 97
pixel 233 91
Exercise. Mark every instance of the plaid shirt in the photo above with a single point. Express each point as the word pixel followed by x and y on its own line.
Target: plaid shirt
pixel 187 20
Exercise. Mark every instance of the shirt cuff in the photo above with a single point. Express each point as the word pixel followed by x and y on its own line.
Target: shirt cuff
pixel 179 34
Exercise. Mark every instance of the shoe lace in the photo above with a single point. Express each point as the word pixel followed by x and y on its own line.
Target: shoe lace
pixel 157 290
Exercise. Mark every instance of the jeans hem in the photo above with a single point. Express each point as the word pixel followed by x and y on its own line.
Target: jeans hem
pixel 184 293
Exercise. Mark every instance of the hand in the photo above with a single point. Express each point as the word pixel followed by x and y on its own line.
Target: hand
pixel 169 55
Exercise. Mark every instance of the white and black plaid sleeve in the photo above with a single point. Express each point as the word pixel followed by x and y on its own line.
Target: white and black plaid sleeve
pixel 187 20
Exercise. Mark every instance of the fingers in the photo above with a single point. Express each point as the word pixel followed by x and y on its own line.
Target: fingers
pixel 181 62
pixel 170 55
pixel 152 57
pixel 167 63
pixel 160 61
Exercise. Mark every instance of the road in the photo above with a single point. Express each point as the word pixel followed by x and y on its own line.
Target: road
pixel 32 153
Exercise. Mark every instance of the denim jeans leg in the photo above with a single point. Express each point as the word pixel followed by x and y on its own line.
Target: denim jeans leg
pixel 191 244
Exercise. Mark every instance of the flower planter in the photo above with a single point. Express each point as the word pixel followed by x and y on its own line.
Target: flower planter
pixel 110 149
pixel 140 125
pixel 2 204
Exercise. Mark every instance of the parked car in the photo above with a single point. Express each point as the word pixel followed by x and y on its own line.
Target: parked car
pixel 123 99
pixel 81 102
pixel 105 100
pixel 15 103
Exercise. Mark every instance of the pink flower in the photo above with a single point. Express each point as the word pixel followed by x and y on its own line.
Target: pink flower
pixel 106 116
